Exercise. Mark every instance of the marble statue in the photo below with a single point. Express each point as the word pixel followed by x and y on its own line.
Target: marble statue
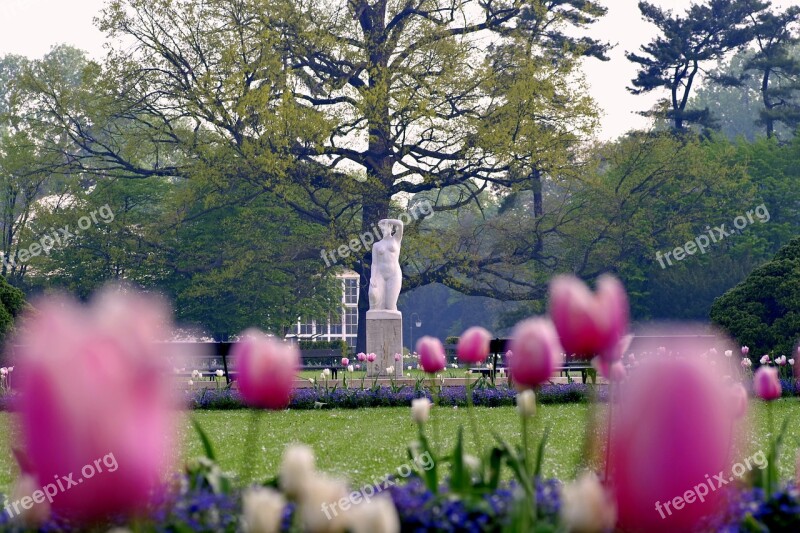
pixel 386 277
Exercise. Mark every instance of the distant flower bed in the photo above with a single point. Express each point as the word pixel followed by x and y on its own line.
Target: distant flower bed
pixel 354 398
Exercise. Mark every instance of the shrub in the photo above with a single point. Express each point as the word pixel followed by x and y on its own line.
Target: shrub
pixel 763 311
pixel 12 302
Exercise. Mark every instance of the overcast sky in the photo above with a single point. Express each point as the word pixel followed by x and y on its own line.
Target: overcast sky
pixel 31 27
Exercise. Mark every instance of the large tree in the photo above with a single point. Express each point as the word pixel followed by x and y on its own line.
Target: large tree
pixel 295 98
pixel 687 45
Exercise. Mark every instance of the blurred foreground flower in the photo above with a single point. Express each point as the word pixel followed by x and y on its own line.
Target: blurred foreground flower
pixel 473 345
pixel 588 324
pixel 535 352
pixel 96 402
pixel 586 506
pixel 766 383
pixel 262 510
pixel 267 368
pixel 671 434
pixel 431 354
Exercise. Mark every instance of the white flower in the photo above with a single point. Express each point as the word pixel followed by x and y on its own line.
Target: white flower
pixel 472 463
pixel 764 359
pixel 374 516
pixel 317 513
pixel 196 374
pixel 390 370
pixel 191 383
pixel 409 367
pixel 25 486
pixel 791 362
pixel 219 373
pixel 489 366
pixel 262 510
pixel 311 380
pixel 10 369
pixel 781 360
pixel 728 353
pixel 350 368
pixel 586 507
pixel 326 372
pixel 322 375
pixel 420 410
pixel 526 403
pixel 746 362
pixel 3 371
pixel 408 375
pixel 502 371
pixel 453 365
pixel 297 467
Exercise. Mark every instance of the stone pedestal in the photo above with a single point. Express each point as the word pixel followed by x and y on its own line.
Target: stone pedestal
pixel 384 339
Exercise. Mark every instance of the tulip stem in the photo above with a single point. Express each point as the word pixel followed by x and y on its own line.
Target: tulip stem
pixel 610 422
pixel 251 440
pixel 770 427
pixel 473 421
pixel 435 398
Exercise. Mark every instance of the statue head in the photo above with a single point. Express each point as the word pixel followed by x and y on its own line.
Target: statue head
pixel 386 228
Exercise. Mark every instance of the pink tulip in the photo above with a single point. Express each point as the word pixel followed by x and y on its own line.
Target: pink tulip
pixel 739 400
pixel 473 346
pixel 588 324
pixel 96 400
pixel 766 384
pixel 267 368
pixel 371 357
pixel 672 430
pixel 536 352
pixel 362 356
pixel 745 350
pixel 431 354
pixel 345 361
pixel 398 357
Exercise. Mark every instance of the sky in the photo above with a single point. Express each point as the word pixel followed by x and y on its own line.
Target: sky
pixel 31 27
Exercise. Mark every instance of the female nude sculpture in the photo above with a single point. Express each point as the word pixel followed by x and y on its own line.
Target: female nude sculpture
pixel 386 277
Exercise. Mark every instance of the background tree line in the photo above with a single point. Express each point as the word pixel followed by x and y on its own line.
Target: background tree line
pixel 234 140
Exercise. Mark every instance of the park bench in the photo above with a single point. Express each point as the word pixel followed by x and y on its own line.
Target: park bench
pixel 498 347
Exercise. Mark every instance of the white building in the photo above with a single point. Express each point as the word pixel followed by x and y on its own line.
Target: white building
pixel 345 327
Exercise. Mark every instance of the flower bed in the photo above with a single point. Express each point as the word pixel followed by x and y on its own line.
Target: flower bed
pixel 339 398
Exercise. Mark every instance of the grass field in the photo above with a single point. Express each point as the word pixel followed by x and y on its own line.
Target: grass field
pixel 365 444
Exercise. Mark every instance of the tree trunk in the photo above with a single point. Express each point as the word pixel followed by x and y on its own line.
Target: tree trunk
pixel 538 203
pixel 379 159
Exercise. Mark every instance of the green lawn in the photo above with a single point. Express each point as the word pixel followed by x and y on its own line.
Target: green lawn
pixel 368 443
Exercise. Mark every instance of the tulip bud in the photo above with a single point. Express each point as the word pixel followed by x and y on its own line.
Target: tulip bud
pixel 420 410
pixel 586 506
pixel 766 384
pixel 526 403
pixel 266 368
pixel 262 510
pixel 431 354
pixel 473 345
pixel 536 352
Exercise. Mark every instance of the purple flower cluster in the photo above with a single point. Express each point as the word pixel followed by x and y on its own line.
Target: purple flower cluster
pixel 355 398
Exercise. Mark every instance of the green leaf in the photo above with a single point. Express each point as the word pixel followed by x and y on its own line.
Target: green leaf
pixel 207 447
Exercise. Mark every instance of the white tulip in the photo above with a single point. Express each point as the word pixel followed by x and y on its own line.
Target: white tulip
pixel 39 512
pixel 220 373
pixel 191 383
pixel 350 368
pixel 317 511
pixel 262 510
pixel 420 410
pixel 526 403
pixel 374 516
pixel 327 372
pixel 297 467
pixel 390 370
pixel 586 507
